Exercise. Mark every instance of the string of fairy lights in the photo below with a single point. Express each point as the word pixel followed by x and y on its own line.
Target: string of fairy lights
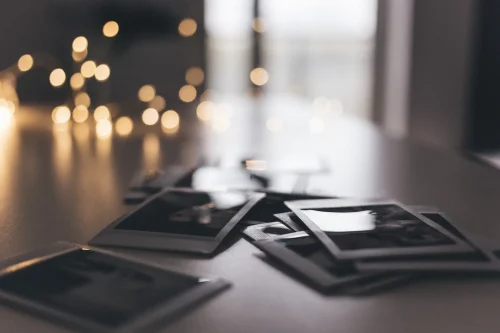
pixel 78 109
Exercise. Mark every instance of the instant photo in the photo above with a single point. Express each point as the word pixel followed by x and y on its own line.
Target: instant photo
pixel 308 258
pixel 180 220
pixel 383 229
pixel 482 259
pixel 99 291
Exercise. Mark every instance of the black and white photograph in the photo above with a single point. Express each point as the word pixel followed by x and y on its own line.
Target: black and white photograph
pixel 306 256
pixel 482 260
pixel 99 291
pixel 183 220
pixel 383 229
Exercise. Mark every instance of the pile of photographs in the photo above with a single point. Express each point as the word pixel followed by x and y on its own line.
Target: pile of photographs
pixel 334 245
pixel 352 247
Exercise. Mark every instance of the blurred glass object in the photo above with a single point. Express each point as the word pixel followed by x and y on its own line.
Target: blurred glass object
pixel 309 49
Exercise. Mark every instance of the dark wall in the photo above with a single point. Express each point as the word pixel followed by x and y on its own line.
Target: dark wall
pixel 484 110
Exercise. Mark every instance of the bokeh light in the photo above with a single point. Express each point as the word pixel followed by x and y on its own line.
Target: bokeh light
pixel 77 81
pixel 80 114
pixel 80 44
pixel 316 125
pixel 274 124
pixel 104 128
pixel 150 116
pixel 170 119
pixel 220 124
pixel 25 63
pixel 110 29
pixel 187 93
pixel 79 56
pixel 82 98
pixel 6 115
pixel 61 114
pixel 257 165
pixel 88 69
pixel 187 27
pixel 146 93
pixel 101 112
pixel 57 77
pixel 7 105
pixel 195 76
pixel 205 110
pixel 124 126
pixel 259 76
pixel 258 25
pixel 102 72
pixel 158 103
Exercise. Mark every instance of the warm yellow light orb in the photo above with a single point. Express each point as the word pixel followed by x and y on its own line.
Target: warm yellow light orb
pixel 205 110
pixel 79 56
pixel 158 103
pixel 80 114
pixel 195 76
pixel 57 77
pixel 61 114
pixel 187 27
pixel 110 29
pixel 77 81
pixel 104 128
pixel 124 126
pixel 82 98
pixel 259 76
pixel 88 69
pixel 25 63
pixel 102 72
pixel 146 93
pixel 170 119
pixel 101 112
pixel 80 44
pixel 187 93
pixel 150 116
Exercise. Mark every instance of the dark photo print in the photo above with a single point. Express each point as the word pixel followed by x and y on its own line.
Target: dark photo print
pixel 310 249
pixel 375 227
pixel 187 213
pixel 96 287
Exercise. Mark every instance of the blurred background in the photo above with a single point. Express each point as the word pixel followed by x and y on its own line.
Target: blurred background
pixel 227 80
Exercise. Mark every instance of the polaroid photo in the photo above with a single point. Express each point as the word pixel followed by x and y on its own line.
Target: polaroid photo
pixel 268 230
pixel 274 203
pixel 307 257
pixel 99 291
pixel 482 260
pixel 354 230
pixel 178 219
pixel 293 222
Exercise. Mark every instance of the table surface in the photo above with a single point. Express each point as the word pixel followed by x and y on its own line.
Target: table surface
pixel 66 184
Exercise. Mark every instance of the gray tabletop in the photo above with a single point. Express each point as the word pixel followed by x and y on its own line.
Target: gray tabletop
pixel 66 184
